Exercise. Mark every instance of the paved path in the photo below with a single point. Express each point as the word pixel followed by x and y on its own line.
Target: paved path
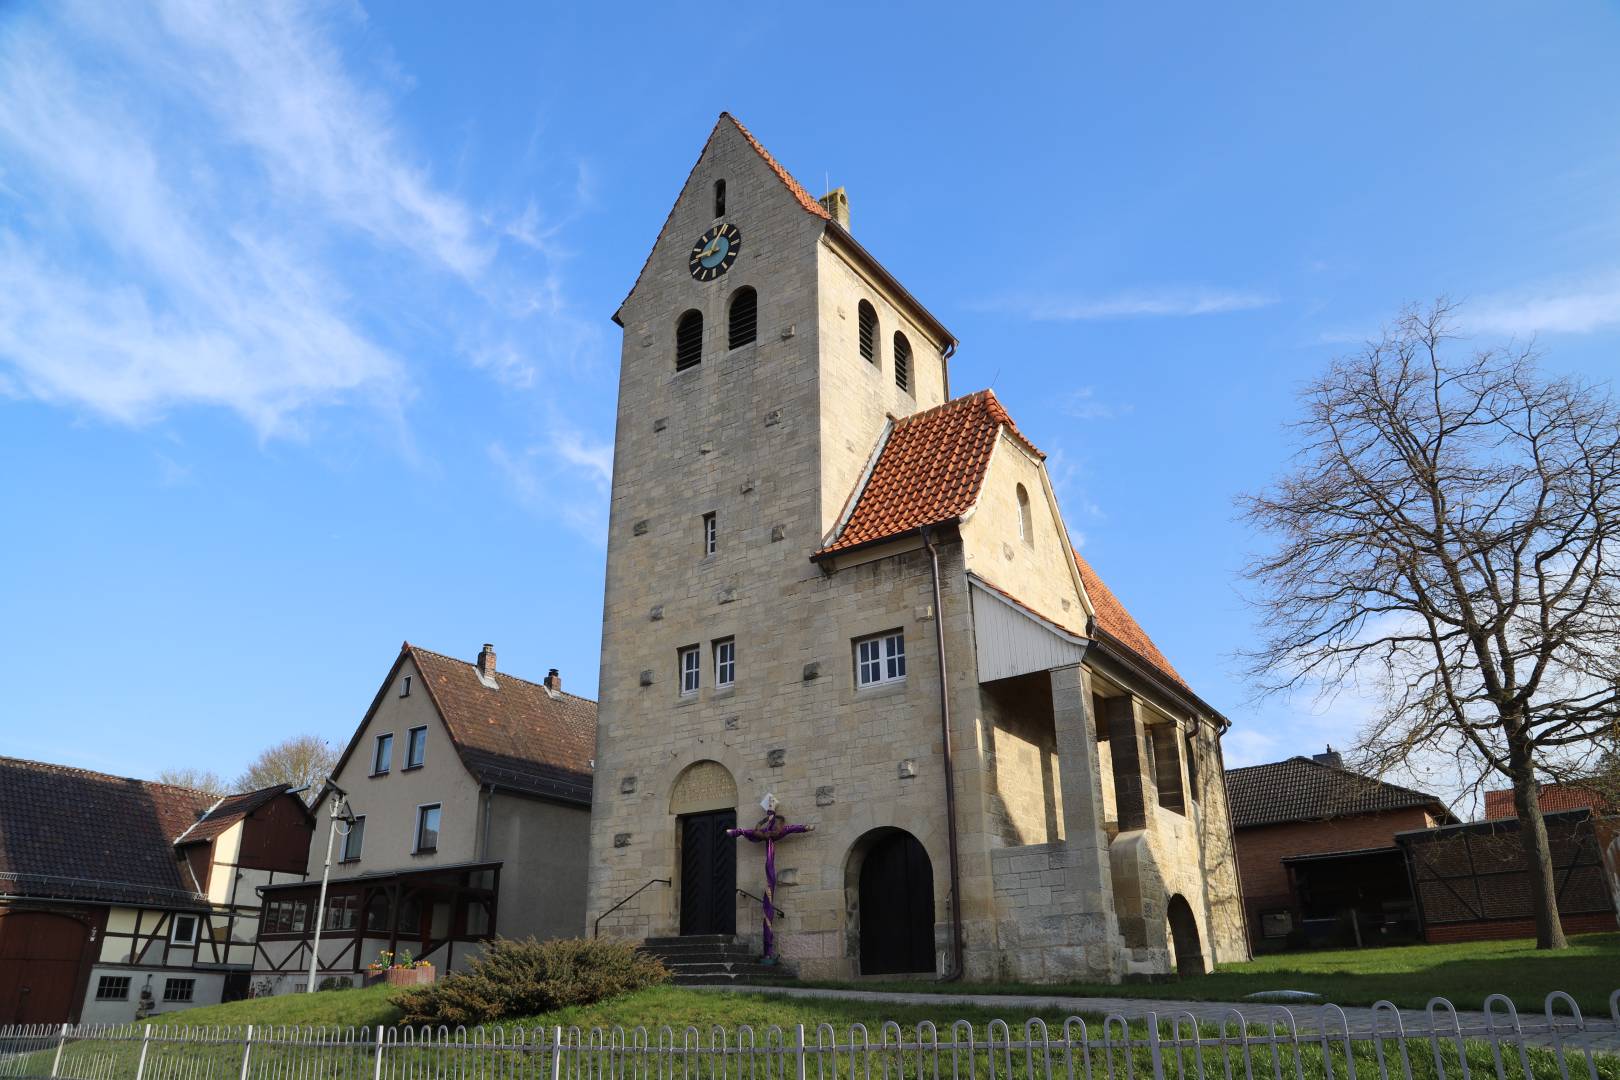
pixel 1599 1033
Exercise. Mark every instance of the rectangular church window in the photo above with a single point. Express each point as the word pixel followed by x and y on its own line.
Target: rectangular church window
pixel 880 659
pixel 725 662
pixel 691 670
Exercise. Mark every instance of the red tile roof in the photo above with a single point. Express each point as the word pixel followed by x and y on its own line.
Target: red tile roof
pixel 521 735
pixel 929 470
pixel 1552 797
pixel 1117 623
pixel 80 835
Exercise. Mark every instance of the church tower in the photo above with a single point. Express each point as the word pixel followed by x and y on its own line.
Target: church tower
pixel 800 513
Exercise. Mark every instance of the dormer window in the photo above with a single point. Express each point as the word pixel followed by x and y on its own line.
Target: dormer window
pixel 866 319
pixel 719 198
pixel 689 341
pixel 1026 522
pixel 743 324
pixel 902 362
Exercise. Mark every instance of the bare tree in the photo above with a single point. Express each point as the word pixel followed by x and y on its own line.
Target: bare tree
pixel 204 780
pixel 304 761
pixel 1450 529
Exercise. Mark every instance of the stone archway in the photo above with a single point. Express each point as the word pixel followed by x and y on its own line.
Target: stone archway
pixel 889 891
pixel 703 800
pixel 1184 940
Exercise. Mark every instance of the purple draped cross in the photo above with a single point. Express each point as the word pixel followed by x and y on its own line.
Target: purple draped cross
pixel 771 828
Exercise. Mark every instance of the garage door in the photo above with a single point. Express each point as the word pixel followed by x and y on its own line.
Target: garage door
pixel 40 954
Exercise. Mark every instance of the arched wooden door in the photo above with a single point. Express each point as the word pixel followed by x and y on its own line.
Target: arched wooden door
pixel 40 958
pixel 896 906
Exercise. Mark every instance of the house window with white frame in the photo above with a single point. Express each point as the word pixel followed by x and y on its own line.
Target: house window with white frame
pixel 725 663
pixel 382 758
pixel 355 839
pixel 183 930
pixel 880 659
pixel 691 670
pixel 711 535
pixel 415 747
pixel 427 828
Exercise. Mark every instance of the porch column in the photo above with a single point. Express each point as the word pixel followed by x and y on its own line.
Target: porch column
pixel 1079 770
pixel 1131 782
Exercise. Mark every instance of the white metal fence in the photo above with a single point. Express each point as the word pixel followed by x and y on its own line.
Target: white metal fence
pixel 1254 1043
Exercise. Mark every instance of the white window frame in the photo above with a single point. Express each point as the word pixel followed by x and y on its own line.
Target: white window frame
pixel 880 659
pixel 725 663
pixel 174 928
pixel 410 740
pixel 689 667
pixel 356 835
pixel 421 818
pixel 405 687
pixel 711 534
pixel 377 754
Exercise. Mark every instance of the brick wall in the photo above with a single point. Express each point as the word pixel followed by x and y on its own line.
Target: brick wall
pixel 1505 929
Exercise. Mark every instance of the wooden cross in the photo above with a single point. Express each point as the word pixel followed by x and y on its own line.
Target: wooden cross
pixel 771 828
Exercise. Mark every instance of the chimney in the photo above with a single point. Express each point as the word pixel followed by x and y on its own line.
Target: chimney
pixel 836 203
pixel 486 662
pixel 554 681
pixel 1330 757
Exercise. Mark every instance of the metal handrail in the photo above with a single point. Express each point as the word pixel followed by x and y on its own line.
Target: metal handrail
pixel 597 925
pixel 760 901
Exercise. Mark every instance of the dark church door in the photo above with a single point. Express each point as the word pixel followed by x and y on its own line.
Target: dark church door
pixel 708 873
pixel 897 907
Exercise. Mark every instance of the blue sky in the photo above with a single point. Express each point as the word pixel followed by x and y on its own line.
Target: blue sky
pixel 304 309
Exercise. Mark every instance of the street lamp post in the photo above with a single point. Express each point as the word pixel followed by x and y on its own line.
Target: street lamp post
pixel 342 822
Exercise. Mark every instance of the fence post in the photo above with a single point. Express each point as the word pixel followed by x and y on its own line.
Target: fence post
pixel 247 1050
pixel 376 1068
pixel 798 1053
pixel 146 1040
pixel 556 1053
pixel 1154 1053
pixel 61 1041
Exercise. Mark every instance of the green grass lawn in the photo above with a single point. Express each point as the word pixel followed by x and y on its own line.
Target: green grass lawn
pixel 1410 975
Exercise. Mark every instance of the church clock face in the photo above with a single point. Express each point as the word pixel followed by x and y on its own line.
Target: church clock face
pixel 715 251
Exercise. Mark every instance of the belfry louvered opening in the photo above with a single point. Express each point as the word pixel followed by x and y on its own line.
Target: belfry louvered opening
pixel 902 362
pixel 866 316
pixel 744 323
pixel 689 341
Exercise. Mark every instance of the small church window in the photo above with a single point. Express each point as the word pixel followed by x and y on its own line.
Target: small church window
pixel 880 659
pixel 725 662
pixel 902 362
pixel 691 670
pixel 866 318
pixel 719 198
pixel 689 341
pixel 1026 523
pixel 744 322
pixel 711 535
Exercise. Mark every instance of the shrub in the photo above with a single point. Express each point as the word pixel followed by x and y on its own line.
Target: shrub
pixel 522 978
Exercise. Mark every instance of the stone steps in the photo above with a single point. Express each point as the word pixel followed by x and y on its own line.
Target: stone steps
pixel 713 959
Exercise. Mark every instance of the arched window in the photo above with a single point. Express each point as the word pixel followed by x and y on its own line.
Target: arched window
pixel 719 198
pixel 902 362
pixel 744 321
pixel 689 341
pixel 866 316
pixel 1026 524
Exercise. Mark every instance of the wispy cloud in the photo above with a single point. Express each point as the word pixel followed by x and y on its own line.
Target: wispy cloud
pixel 203 204
pixel 1084 404
pixel 1151 303
pixel 569 476
pixel 1575 308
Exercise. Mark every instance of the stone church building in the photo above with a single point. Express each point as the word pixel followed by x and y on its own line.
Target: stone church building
pixel 831 580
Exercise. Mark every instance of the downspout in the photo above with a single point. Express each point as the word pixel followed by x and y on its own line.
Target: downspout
pixel 950 768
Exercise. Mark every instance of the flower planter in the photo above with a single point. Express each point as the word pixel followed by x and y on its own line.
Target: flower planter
pixel 416 976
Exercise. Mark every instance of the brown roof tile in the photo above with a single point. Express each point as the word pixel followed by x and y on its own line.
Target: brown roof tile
pixel 1300 789
pixel 1552 797
pixel 806 200
pixel 1117 623
pixel 228 811
pixel 80 835
pixel 519 736
pixel 929 470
